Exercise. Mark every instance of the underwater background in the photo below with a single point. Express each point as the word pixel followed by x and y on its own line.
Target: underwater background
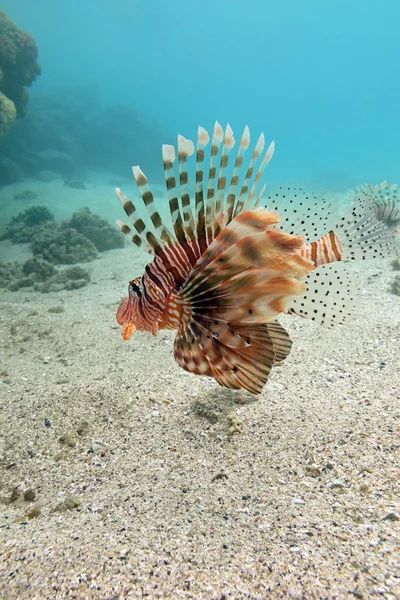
pixel 320 78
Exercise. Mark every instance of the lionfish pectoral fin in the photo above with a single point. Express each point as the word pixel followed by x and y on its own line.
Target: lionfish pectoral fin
pixel 245 367
pixel 281 341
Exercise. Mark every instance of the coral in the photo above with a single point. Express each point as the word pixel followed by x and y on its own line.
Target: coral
pixel 76 184
pixel 8 272
pixel 395 264
pixel 46 175
pixel 25 195
pixel 8 112
pixel 395 286
pixel 71 278
pixel 18 65
pixel 97 230
pixel 63 246
pixel 27 224
pixel 39 275
pixel 21 234
pixel 41 269
pixel 76 240
pixel 33 216
pixel 26 282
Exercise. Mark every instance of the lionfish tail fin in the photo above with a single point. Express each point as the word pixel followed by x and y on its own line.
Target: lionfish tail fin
pixel 384 201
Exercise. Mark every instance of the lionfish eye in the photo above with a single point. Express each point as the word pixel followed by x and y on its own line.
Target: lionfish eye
pixel 135 289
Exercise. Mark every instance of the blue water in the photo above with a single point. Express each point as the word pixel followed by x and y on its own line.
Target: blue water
pixel 321 78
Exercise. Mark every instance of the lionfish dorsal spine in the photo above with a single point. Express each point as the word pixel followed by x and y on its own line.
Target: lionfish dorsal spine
pixel 234 184
pixel 266 159
pixel 244 201
pixel 183 239
pixel 202 140
pixel 196 222
pixel 219 216
pixel 217 137
pixel 186 149
pixel 139 238
pixel 148 200
pixel 168 156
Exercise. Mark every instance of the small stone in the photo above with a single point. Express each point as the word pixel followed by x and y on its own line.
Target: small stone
pixel 236 425
pixel 56 309
pixel 337 485
pixel 364 487
pixel 97 446
pixel 69 503
pixel 33 512
pixel 29 495
pixel 298 501
pixel 17 492
pixel 391 517
pixel 67 440
pixel 313 470
pixel 155 413
pixel 83 428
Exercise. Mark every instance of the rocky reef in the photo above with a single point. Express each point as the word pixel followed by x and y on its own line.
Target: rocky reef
pixel 18 69
pixel 96 229
pixel 27 225
pixel 79 239
pixel 39 275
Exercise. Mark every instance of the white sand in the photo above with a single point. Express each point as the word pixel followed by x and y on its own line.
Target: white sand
pixel 292 505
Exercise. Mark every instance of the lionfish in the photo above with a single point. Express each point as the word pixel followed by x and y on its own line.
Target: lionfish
pixel 228 267
pixel 385 202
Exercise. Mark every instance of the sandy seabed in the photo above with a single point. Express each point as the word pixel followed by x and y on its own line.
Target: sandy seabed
pixel 122 476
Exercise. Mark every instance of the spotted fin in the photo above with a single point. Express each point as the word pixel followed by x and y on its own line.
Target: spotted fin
pixel 308 211
pixel 329 297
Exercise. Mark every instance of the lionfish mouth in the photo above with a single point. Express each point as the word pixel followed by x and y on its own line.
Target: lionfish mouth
pixel 125 318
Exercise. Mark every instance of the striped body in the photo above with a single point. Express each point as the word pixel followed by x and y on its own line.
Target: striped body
pixel 158 306
pixel 227 268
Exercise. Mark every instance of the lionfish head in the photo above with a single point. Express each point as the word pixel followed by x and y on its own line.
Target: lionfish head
pixel 128 313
